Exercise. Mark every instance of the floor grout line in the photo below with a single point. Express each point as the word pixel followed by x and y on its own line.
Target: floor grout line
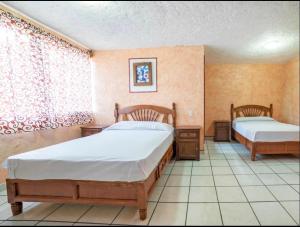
pixel 278 201
pixel 246 196
pixel 221 216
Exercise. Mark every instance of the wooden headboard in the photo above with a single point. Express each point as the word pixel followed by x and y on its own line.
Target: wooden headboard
pixel 146 113
pixel 251 111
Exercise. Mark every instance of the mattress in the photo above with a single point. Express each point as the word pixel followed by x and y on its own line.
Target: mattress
pixel 265 129
pixel 116 154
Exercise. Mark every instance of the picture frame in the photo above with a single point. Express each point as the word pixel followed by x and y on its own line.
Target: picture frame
pixel 142 75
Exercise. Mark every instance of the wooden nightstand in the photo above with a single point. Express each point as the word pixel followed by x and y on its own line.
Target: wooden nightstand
pixel 92 129
pixel 188 142
pixel 222 130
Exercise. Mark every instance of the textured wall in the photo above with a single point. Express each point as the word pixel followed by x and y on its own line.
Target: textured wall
pixel 290 103
pixel 22 142
pixel 180 75
pixel 241 84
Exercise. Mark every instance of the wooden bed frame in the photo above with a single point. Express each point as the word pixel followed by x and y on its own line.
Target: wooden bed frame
pixel 97 192
pixel 288 147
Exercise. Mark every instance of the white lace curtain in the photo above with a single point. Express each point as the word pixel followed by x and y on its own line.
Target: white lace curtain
pixel 45 82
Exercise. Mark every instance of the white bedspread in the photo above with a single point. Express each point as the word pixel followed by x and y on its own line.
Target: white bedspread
pixel 112 155
pixel 265 129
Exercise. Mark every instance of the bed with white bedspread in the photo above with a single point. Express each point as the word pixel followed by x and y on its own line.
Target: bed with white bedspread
pixel 118 166
pixel 253 126
pixel 126 151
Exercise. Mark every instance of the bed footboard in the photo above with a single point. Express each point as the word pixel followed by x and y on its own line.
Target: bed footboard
pixel 288 147
pixel 85 192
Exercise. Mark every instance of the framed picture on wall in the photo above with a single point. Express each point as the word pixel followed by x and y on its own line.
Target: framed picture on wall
pixel 142 75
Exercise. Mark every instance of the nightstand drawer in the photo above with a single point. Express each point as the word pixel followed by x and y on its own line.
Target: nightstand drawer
pixel 188 135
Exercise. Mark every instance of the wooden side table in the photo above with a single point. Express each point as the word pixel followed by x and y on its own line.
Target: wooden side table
pixel 188 142
pixel 222 130
pixel 88 130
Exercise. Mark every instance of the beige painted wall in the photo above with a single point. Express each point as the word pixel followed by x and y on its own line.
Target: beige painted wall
pixel 180 74
pixel 22 142
pixel 290 102
pixel 241 84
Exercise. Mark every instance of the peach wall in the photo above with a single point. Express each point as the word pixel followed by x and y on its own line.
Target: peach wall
pixel 180 74
pixel 290 103
pixel 22 142
pixel 241 84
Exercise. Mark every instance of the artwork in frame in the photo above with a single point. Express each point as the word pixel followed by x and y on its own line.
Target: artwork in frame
pixel 142 75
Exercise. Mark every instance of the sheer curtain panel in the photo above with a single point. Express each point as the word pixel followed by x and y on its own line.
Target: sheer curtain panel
pixel 45 82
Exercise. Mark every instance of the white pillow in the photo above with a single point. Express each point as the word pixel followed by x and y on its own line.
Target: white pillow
pixel 261 118
pixel 141 125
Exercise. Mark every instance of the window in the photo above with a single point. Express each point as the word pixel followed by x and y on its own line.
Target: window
pixel 45 82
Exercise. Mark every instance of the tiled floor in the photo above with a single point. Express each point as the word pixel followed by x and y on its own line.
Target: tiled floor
pixel 224 188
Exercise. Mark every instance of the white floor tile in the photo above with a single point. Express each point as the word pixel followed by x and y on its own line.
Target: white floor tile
pixel 296 187
pixel 36 212
pixel 162 180
pixel 241 170
pixel 270 179
pixel 181 170
pixel 68 213
pixel 237 163
pixel 3 199
pixel 175 194
pixel 225 180
pixel 202 181
pixel 284 192
pixel 293 209
pixel 101 214
pixel 202 194
pixel 203 214
pixel 201 171
pixel 261 169
pixel 221 170
pixel 217 156
pixel 258 193
pixel 201 162
pixel 54 223
pixel 280 169
pixel 294 167
pixel 271 213
pixel 290 178
pixel 219 163
pixel 238 214
pixel 184 163
pixel 178 181
pixel 245 180
pixel 130 216
pixel 18 223
pixel 169 214
pixel 230 194
pixel 155 194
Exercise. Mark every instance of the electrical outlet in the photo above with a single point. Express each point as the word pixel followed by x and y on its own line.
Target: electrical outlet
pixel 190 112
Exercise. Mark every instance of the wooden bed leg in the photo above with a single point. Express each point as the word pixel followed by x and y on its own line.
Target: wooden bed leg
pixel 253 152
pixel 253 155
pixel 142 199
pixel 143 214
pixel 16 208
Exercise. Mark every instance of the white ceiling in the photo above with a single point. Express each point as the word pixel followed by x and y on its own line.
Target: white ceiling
pixel 234 32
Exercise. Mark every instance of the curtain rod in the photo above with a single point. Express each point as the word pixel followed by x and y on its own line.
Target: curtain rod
pixel 36 23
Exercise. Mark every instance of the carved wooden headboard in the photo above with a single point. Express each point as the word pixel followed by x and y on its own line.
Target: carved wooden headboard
pixel 251 111
pixel 146 113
